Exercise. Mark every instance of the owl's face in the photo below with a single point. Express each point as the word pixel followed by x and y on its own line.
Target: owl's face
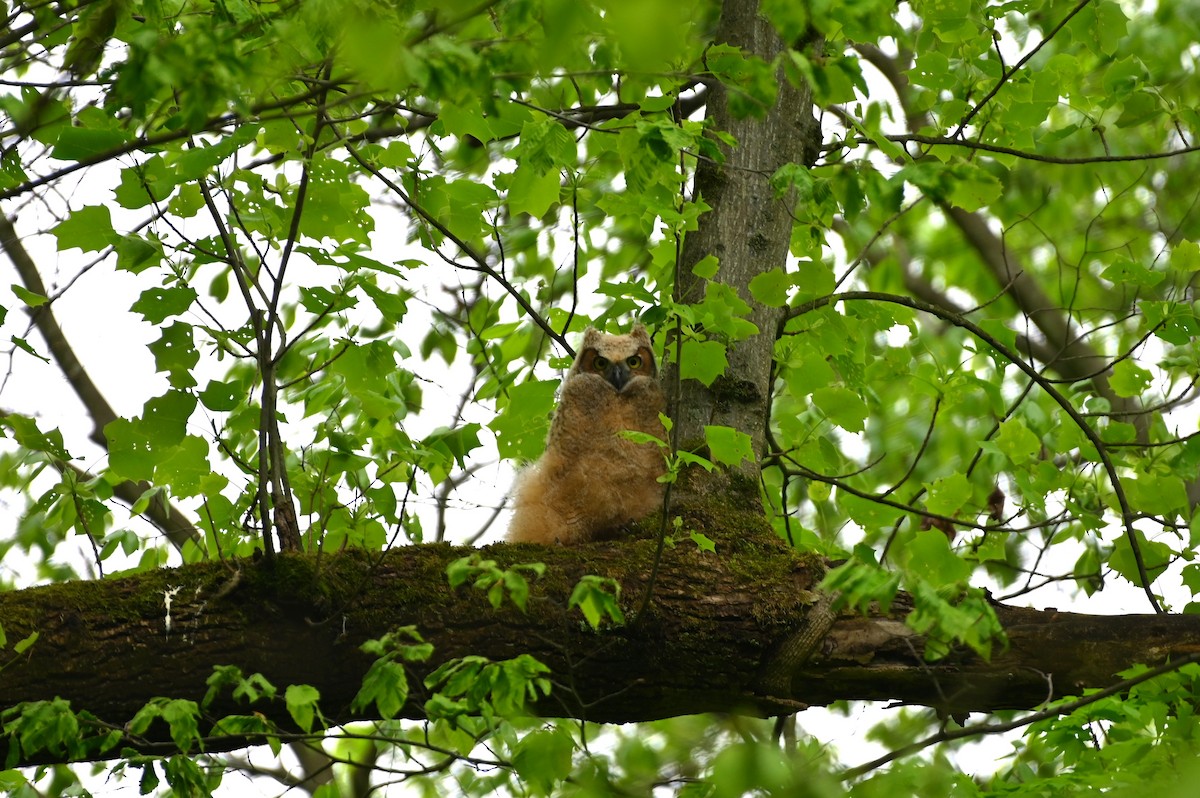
pixel 617 359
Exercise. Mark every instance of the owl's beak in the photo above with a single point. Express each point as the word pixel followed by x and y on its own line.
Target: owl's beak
pixel 617 375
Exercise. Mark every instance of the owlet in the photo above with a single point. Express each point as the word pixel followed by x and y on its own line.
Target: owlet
pixel 592 479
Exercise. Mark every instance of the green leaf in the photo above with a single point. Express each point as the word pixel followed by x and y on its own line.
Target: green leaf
pixel 928 555
pixel 29 435
pixel 460 119
pixel 1109 25
pixel 89 228
pixel 456 443
pixel 517 589
pixel 522 425
pixel 249 688
pixel 947 494
pixel 175 353
pixel 728 446
pixel 1156 493
pixel 157 304
pixel 27 348
pixel 45 726
pixel 974 188
pixel 385 686
pixel 320 300
pixel 1191 577
pixel 842 406
pixel 703 361
pixel 1185 257
pixel 1129 379
pixel 707 267
pixel 91 34
pixel 947 613
pixel 752 82
pixel 129 450
pixel 187 202
pixel 771 288
pixel 165 418
pixel 185 467
pixel 688 458
pixel 462 569
pixel 136 255
pixel 23 645
pixel 1017 442
pixel 301 700
pixel 149 781
pixel 790 19
pixel 722 313
pixel 532 191
pixel 488 576
pixel 183 717
pixel 80 143
pixel 992 549
pixel 748 768
pixel 543 759
pixel 222 396
pixel 866 513
pixel 596 597
pixel 28 297
pixel 1155 555
pixel 1124 271
pixel 136 447
pixel 185 776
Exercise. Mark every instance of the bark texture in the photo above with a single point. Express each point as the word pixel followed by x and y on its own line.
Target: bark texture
pixel 716 637
pixel 747 229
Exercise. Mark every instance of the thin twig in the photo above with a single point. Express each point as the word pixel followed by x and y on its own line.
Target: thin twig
pixel 1081 422
pixel 979 729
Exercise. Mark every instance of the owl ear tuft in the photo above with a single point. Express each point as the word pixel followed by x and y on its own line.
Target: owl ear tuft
pixel 639 334
pixel 591 339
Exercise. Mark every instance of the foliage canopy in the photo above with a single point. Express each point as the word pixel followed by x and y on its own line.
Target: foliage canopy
pixel 318 256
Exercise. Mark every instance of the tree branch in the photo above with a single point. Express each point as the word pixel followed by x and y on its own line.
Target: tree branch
pixel 1127 514
pixel 299 619
pixel 165 516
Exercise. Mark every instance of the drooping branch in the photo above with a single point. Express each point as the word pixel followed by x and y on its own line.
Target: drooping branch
pixel 1063 348
pixel 1110 469
pixel 1027 155
pixel 165 516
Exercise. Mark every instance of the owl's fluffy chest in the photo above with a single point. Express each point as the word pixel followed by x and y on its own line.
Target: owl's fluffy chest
pixel 592 479
pixel 591 415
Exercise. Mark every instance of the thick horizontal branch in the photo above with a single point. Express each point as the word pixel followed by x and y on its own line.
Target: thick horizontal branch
pixel 711 640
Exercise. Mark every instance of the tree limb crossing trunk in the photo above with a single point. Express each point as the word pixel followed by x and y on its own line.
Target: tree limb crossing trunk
pixel 711 641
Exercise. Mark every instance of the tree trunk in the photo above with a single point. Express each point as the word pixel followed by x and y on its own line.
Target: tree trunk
pixel 712 640
pixel 748 230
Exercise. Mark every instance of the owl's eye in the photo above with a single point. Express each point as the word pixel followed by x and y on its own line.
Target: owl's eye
pixel 600 363
pixel 634 362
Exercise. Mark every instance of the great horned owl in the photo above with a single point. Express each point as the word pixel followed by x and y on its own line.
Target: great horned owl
pixel 591 479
